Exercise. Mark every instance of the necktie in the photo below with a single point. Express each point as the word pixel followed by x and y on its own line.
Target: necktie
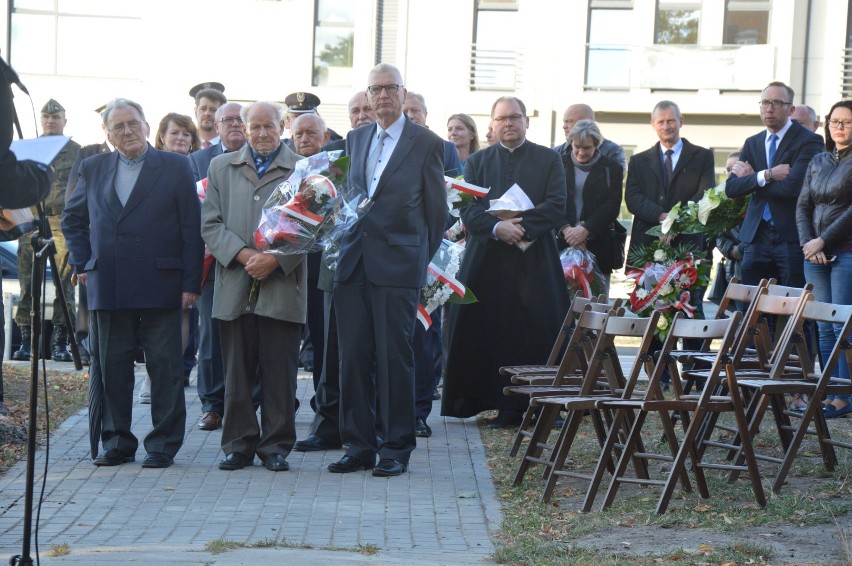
pixel 773 147
pixel 261 164
pixel 373 158
pixel 667 167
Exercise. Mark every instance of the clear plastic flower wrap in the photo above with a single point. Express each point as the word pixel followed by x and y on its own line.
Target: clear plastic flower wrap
pixel 300 214
pixel 582 273
pixel 442 286
pixel 347 213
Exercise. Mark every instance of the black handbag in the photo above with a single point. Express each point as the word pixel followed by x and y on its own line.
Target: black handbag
pixel 617 239
pixel 720 283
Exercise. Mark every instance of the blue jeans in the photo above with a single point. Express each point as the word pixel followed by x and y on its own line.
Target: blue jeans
pixel 832 285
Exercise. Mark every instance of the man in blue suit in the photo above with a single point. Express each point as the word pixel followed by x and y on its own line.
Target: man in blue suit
pixel 133 226
pixel 397 168
pixel 771 169
pixel 211 373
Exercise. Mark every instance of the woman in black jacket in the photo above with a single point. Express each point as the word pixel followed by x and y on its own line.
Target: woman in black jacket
pixel 594 195
pixel 824 221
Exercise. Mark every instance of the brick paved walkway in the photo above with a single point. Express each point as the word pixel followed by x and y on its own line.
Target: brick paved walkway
pixel 442 512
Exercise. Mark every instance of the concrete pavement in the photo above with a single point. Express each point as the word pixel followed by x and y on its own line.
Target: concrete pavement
pixel 444 511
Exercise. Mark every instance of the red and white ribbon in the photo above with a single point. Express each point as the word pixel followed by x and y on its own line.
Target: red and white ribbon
pixel 465 187
pixel 424 317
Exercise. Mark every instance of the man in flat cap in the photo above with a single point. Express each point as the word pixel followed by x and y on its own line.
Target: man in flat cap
pixel 208 98
pixel 53 123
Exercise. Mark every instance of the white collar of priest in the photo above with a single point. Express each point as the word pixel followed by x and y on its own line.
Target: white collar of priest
pixel 512 149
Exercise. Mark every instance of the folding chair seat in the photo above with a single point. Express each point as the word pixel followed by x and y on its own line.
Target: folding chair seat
pixel 605 361
pixel 697 408
pixel 570 373
pixel 578 305
pixel 815 384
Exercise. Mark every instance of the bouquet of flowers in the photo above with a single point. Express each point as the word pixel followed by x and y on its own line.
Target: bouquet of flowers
pixel 714 214
pixel 441 283
pixel 301 210
pixel 345 216
pixel 582 273
pixel 664 282
pixel 461 193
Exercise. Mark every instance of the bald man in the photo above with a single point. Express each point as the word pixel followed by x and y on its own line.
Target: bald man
pixel 574 114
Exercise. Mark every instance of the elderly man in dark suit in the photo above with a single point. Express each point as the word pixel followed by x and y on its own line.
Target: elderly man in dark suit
pixel 397 167
pixel 771 169
pixel 211 374
pixel 133 230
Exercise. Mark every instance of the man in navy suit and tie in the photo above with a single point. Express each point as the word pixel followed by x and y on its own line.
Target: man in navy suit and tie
pixel 771 169
pixel 211 373
pixel 397 168
pixel 133 227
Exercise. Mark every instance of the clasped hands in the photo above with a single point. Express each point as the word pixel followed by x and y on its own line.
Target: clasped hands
pixel 814 251
pixel 257 264
pixel 575 236
pixel 510 231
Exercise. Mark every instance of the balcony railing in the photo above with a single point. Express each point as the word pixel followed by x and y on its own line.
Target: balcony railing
pixel 680 67
pixel 846 74
pixel 495 69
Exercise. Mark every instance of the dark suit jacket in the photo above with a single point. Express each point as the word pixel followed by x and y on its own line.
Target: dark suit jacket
pixel 797 148
pixel 403 229
pixel 200 160
pixel 452 163
pixel 646 196
pixel 142 255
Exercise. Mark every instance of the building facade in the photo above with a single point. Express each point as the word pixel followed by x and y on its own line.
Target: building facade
pixel 712 57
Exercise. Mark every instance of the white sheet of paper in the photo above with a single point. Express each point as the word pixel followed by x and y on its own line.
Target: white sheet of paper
pixel 43 149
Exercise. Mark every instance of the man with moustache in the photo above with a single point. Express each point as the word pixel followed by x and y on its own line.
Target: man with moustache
pixel 132 226
pixel 397 168
pixel 259 336
pixel 211 373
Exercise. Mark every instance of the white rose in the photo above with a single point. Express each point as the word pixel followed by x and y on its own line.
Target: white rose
pixel 662 323
pixel 660 256
pixel 666 289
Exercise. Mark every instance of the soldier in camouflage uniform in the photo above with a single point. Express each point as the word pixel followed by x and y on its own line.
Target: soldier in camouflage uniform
pixel 52 124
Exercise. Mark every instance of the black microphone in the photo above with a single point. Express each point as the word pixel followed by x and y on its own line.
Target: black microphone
pixel 11 76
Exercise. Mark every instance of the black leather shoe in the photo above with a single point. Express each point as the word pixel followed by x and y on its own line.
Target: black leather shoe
pixel 157 460
pixel 388 468
pixel 506 419
pixel 349 464
pixel 276 463
pixel 314 443
pixel 113 457
pixel 235 461
pixel 422 429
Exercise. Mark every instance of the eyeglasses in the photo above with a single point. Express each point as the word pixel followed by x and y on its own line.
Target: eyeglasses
pixel 776 104
pixel 509 118
pixel 376 90
pixel 841 124
pixel 134 125
pixel 231 121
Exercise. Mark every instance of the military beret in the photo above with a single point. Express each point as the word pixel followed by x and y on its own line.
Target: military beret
pixel 52 107
pixel 204 86
pixel 302 102
pixel 100 109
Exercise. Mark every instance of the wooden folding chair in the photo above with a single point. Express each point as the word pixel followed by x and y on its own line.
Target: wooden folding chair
pixel 812 383
pixel 570 373
pixel 578 305
pixel 705 403
pixel 605 362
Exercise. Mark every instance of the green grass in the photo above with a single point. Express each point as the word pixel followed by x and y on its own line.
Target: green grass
pixel 539 533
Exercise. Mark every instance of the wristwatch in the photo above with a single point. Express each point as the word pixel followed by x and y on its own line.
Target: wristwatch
pixel 767 176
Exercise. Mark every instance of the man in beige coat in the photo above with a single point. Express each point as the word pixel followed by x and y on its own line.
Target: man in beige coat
pixel 259 337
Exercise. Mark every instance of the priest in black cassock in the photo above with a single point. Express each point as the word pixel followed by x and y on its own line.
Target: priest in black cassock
pixel 522 294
